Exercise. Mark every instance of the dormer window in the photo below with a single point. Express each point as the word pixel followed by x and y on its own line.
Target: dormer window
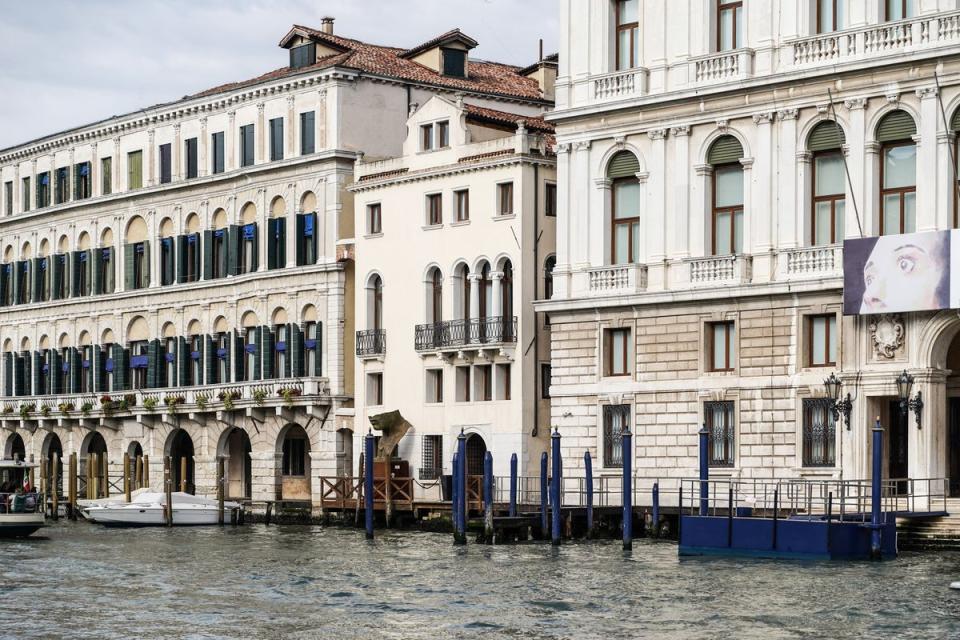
pixel 435 136
pixel 303 56
pixel 454 63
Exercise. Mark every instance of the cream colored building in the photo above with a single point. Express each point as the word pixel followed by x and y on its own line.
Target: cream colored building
pixel 455 239
pixel 173 279
pixel 703 154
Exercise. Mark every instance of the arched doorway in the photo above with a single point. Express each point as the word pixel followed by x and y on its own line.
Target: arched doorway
pixel 53 447
pixel 476 450
pixel 138 471
pixel 94 470
pixel 181 454
pixel 15 448
pixel 237 467
pixel 295 464
pixel 344 453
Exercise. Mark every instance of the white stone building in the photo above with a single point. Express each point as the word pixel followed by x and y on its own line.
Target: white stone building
pixel 703 151
pixel 172 280
pixel 454 242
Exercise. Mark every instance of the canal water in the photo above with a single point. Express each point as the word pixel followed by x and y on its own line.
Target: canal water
pixel 78 580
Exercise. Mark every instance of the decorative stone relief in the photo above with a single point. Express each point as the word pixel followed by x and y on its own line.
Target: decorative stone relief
pixel 887 334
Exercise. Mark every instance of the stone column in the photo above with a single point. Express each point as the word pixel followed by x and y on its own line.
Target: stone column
pixel 748 210
pixel 927 184
pixel 264 472
pixel 600 243
pixel 760 212
pixel 799 227
pixel 700 228
pixel 870 218
pixel 203 153
pixel 17 191
pixel 474 295
pixel 260 151
pixel 786 236
pixel 857 163
pixel 497 308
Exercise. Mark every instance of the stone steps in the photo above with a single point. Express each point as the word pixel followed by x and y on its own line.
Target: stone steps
pixel 933 533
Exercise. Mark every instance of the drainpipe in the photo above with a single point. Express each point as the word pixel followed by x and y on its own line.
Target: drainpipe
pixel 536 318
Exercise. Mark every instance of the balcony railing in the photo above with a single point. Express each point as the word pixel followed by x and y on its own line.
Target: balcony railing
pixel 810 262
pixel 473 332
pixel 617 279
pixel 728 65
pixel 371 342
pixel 620 84
pixel 736 269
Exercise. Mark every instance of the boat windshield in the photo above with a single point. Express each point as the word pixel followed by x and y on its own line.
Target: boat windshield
pixel 13 498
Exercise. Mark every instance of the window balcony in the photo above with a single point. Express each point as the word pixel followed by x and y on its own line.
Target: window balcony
pixel 618 85
pixel 371 343
pixel 810 262
pixel 616 280
pixel 720 270
pixel 723 67
pixel 473 333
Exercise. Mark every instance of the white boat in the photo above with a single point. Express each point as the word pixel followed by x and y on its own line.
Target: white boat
pixel 147 510
pixel 21 512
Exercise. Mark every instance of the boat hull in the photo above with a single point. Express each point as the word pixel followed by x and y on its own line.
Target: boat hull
pixel 151 517
pixel 20 525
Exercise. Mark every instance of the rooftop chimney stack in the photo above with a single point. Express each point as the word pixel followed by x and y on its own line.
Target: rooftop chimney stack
pixel 326 25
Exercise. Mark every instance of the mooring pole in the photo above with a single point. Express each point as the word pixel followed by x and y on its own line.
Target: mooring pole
pixel 704 470
pixel 368 483
pixel 463 505
pixel 220 490
pixel 168 488
pixel 146 471
pixel 488 497
pixel 588 470
pixel 138 472
pixel 627 456
pixel 455 497
pixel 72 486
pixel 543 495
pixel 875 480
pixel 656 510
pixel 183 474
pixel 555 482
pixel 126 476
pixel 54 486
pixel 513 485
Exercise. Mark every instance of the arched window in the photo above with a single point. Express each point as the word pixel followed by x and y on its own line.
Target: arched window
pixel 486 291
pixel 462 292
pixel 625 208
pixel 727 210
pixel 829 183
pixel 898 173
pixel 436 296
pixel 506 300
pixel 548 268
pixel 376 302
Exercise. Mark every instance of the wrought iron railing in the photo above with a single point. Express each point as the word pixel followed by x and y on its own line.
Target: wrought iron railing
pixel 371 342
pixel 461 333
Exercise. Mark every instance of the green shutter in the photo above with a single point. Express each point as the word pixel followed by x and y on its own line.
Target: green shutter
pixel 725 150
pixel 272 243
pixel 622 165
pixel 318 360
pixel 20 363
pixel 75 274
pixel 282 243
pixel 121 364
pixel 54 374
pixel 183 361
pixel 896 126
pixel 37 370
pixel 258 354
pixel 153 364
pixel 209 360
pixel 129 284
pixel 299 239
pixel 8 374
pixel 239 356
pixel 56 277
pixel 227 355
pixel 37 279
pixel 16 282
pixel 295 350
pixel 76 370
pixel 267 350
pixel 181 259
pixel 98 364
pixel 255 262
pixel 95 271
pixel 826 136
pixel 145 276
pixel 208 254
pixel 233 249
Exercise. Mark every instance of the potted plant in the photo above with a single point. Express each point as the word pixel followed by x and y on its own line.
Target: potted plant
pixel 288 394
pixel 150 404
pixel 172 402
pixel 259 396
pixel 227 397
pixel 130 400
pixel 45 410
pixel 65 408
pixel 26 409
pixel 106 402
pixel 8 408
pixel 86 408
pixel 202 400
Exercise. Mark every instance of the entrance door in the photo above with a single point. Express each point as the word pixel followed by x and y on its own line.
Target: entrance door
pixel 897 444
pixel 953 448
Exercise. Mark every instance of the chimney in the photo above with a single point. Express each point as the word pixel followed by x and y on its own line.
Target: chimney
pixel 326 25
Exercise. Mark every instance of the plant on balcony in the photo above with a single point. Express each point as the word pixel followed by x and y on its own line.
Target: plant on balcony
pixel 172 402
pixel 106 403
pixel 130 400
pixel 150 404
pixel 259 396
pixel 26 409
pixel 86 408
pixel 288 394
pixel 45 410
pixel 8 408
pixel 202 400
pixel 65 408
pixel 227 397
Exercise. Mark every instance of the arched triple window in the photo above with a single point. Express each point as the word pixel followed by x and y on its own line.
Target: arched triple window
pixel 486 291
pixel 727 196
pixel 898 173
pixel 375 307
pixel 625 208
pixel 829 183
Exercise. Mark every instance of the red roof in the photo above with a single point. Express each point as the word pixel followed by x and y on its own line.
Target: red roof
pixel 484 114
pixel 485 77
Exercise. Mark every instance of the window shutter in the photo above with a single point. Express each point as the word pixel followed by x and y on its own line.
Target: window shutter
pixel 267 351
pixel 56 277
pixel 153 364
pixel 234 238
pixel 36 274
pixel 314 236
pixel 826 136
pixel 54 374
pixel 16 282
pixel 258 354
pixel 300 240
pixel 129 284
pixel 181 259
pixel 725 150
pixel 76 370
pixel 18 377
pixel 255 262
pixel 75 274
pixel 896 126
pixel 296 350
pixel 145 276
pixel 282 243
pixel 288 360
pixel 120 365
pixel 8 374
pixel 209 360
pixel 37 368
pixel 272 243
pixel 623 165
pixel 97 365
pixel 318 359
pixel 207 254
pixel 239 356
pixel 97 268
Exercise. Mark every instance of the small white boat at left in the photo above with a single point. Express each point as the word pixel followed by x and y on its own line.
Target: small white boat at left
pixel 21 509
pixel 147 510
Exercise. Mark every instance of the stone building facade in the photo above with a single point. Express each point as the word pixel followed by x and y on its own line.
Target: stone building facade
pixel 711 161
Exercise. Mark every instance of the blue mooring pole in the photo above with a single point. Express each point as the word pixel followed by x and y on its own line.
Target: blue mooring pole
pixel 455 497
pixel 368 482
pixel 462 505
pixel 588 470
pixel 543 494
pixel 656 510
pixel 704 470
pixel 488 498
pixel 513 485
pixel 875 480
pixel 627 457
pixel 555 486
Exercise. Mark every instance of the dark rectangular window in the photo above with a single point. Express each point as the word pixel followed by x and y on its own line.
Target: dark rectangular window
pixel 106 271
pixel 166 164
pixel 307 133
pixel 43 190
pixel 8 198
pixel 722 346
pixel 303 56
pixel 294 455
pixel 822 340
pixel 82 184
pixel 217 156
pixel 550 199
pixel 431 465
pixel 26 195
pixel 135 170
pixel 167 268
pixel 546 373
pixel 247 142
pixel 461 200
pixel 616 352
pixel 276 139
pixel 434 385
pixel 900 9
pixel 463 384
pixel 248 249
pixel 434 209
pixel 190 152
pixel 720 428
pixel 219 251
pixel 374 389
pixel 483 379
pixel 616 420
pixel 61 289
pixel 505 199
pixel 831 15
pixel 426 137
pixel 307 228
pixel 374 219
pixel 443 134
pixel 106 176
pixel 62 192
pixel 819 433
pixel 454 63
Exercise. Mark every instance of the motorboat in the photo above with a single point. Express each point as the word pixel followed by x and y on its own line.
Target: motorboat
pixel 21 508
pixel 147 510
pixel 116 499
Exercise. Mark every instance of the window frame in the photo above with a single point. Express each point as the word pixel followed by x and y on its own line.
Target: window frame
pixel 461 205
pixel 426 137
pixel 505 196
pixel 610 443
pixel 374 215
pixel 634 29
pixel 901 191
pixel 434 214
pixel 716 211
pixel 550 199
pixel 608 348
pixel 903 9
pixel 833 18
pixel 729 433
pixel 808 406
pixel 730 361
pixel 736 6
pixel 830 318
pixel 832 198
pixel 633 253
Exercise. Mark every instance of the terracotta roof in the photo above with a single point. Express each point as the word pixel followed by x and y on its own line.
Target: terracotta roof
pixel 484 114
pixel 384 174
pixel 486 77
pixel 453 34
pixel 484 156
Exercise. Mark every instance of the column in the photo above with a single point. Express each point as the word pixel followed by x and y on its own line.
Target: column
pixel 151 159
pixel 561 274
pixel 259 154
pixel 678 224
pixel 177 154
pixel 600 243
pixel 928 187
pixel 290 240
pixel 787 236
pixel 857 163
pixel 95 186
pixel 231 160
pixel 700 211
pixel 203 144
pixel 748 208
pixel 290 132
pixel 800 231
pixel 654 206
pixel 320 121
pixel 946 215
pixel 263 231
pixel 474 279
pixel 497 308
pixel 581 220
pixel 70 177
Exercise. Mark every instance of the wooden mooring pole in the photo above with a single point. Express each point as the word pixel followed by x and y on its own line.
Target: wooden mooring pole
pixel 220 490
pixel 488 497
pixel 146 471
pixel 44 483
pixel 72 486
pixel 126 476
pixel 168 490
pixel 106 474
pixel 30 474
pixel 368 483
pixel 138 472
pixel 93 473
pixel 52 481
pixel 183 474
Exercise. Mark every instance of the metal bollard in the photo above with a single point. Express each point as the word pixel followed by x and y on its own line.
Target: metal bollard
pixel 555 481
pixel 704 470
pixel 588 469
pixel 656 510
pixel 543 494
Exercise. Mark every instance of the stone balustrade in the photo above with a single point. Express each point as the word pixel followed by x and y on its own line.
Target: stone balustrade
pixel 714 270
pixel 617 279
pixel 620 84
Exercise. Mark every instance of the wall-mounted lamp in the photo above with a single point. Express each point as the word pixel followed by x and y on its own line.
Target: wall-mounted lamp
pixel 840 407
pixel 915 404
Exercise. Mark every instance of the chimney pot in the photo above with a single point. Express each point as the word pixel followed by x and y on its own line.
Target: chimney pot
pixel 326 25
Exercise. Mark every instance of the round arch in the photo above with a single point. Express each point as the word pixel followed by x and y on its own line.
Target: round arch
pixel 15 447
pixel 106 237
pixel 83 242
pixel 603 164
pixel 136 230
pixel 137 330
pixel 193 222
pixel 293 446
pixel 179 447
pixel 248 213
pixel 715 135
pixel 886 110
pixel 278 207
pixel 308 202
pixel 235 447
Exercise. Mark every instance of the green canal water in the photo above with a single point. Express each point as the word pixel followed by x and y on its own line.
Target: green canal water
pixel 81 581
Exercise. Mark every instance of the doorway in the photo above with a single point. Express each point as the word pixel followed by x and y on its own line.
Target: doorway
pixel 897 466
pixel 953 448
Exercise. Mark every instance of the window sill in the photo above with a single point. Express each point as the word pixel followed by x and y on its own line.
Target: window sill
pixel 504 216
pixel 431 227
pixel 371 236
pixel 460 223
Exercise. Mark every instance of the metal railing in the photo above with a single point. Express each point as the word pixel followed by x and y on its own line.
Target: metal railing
pixel 371 342
pixel 462 333
pixel 20 502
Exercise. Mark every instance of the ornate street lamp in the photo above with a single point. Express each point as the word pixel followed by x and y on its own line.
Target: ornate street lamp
pixel 840 407
pixel 915 404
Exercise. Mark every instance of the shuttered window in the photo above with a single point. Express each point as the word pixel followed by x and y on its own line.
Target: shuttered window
pixel 106 176
pixel 725 150
pixel 896 126
pixel 246 145
pixel 190 151
pixel 623 165
pixel 135 170
pixel 826 136
pixel 276 139
pixel 166 164
pixel 307 139
pixel 217 156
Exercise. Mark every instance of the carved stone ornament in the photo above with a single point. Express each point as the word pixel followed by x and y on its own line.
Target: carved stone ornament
pixel 887 332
